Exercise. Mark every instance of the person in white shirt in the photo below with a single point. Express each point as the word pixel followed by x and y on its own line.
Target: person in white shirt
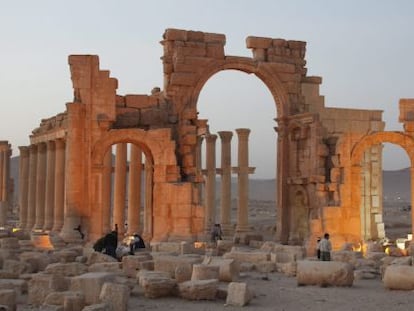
pixel 325 247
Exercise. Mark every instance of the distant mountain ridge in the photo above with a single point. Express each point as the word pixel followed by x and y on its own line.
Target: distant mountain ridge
pixel 396 184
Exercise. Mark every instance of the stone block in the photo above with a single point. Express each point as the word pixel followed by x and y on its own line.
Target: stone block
pixel 39 287
pixel 182 78
pixel 57 298
pixel 258 42
pixel 115 295
pixel 265 266
pixel 205 272
pixel 114 267
pixel 139 101
pixel 9 243
pixel 8 298
pixel 228 268
pixel 214 38
pixel 399 277
pixel 156 286
pixel 90 284
pixel 95 257
pixel 324 273
pixel 247 256
pixel 19 286
pixel 37 261
pixel 238 294
pixel 198 289
pixel 175 34
pixel 66 269
pixel 15 266
pixel 183 273
pixel 98 307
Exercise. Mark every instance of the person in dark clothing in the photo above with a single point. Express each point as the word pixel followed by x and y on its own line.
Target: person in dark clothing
pixel 136 243
pixel 99 245
pixel 111 242
pixel 79 228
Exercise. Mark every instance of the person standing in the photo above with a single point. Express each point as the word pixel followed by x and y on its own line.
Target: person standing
pixel 325 247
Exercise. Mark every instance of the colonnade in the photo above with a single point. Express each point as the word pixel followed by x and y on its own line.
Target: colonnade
pixel 41 184
pixel 128 192
pixel 42 188
pixel 242 171
pixel 5 186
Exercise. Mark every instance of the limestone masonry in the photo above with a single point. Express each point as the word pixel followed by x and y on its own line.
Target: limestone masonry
pixel 328 159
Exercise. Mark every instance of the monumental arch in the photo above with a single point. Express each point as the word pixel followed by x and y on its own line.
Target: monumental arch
pixel 70 171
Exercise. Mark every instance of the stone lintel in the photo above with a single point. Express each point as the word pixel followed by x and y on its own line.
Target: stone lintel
pixel 36 139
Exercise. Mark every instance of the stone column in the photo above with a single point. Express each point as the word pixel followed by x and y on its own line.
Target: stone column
pixel 412 197
pixel 106 191
pixel 225 208
pixel 59 199
pixel 31 196
pixel 210 198
pixel 2 156
pixel 282 191
pixel 40 186
pixel 148 226
pixel 120 187
pixel 199 165
pixel 74 172
pixel 243 171
pixel 6 173
pixel 23 184
pixel 50 186
pixel 134 190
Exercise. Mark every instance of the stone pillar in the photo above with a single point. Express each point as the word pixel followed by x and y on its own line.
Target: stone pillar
pixel 225 207
pixel 148 225
pixel 23 184
pixel 50 186
pixel 210 194
pixel 59 200
pixel 74 172
pixel 282 210
pixel 40 186
pixel 120 187
pixel 31 196
pixel 134 190
pixel 2 156
pixel 243 172
pixel 199 165
pixel 5 197
pixel 106 191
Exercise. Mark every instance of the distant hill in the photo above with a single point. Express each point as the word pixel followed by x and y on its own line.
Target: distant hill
pixel 396 184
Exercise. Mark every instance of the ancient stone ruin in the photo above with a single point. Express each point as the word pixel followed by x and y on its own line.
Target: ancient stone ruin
pixel 328 159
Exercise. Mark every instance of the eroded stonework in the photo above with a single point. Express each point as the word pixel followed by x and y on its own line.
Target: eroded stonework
pixel 323 154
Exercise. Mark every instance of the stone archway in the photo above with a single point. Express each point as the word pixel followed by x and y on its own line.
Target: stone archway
pixel 398 138
pixel 158 149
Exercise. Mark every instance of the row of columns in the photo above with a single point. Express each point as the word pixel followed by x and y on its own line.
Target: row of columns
pixel 242 170
pixel 5 154
pixel 128 188
pixel 41 184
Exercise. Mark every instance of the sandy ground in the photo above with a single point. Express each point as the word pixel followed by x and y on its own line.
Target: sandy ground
pixel 278 292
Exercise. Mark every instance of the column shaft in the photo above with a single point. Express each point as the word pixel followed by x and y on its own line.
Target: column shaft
pixel 106 191
pixel 225 208
pixel 243 180
pixel 50 186
pixel 120 187
pixel 210 211
pixel 74 172
pixel 59 200
pixel 31 200
pixel 40 186
pixel 148 218
pixel 2 156
pixel 134 190
pixel 23 184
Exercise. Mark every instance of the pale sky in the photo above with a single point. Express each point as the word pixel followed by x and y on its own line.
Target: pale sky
pixel 362 49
